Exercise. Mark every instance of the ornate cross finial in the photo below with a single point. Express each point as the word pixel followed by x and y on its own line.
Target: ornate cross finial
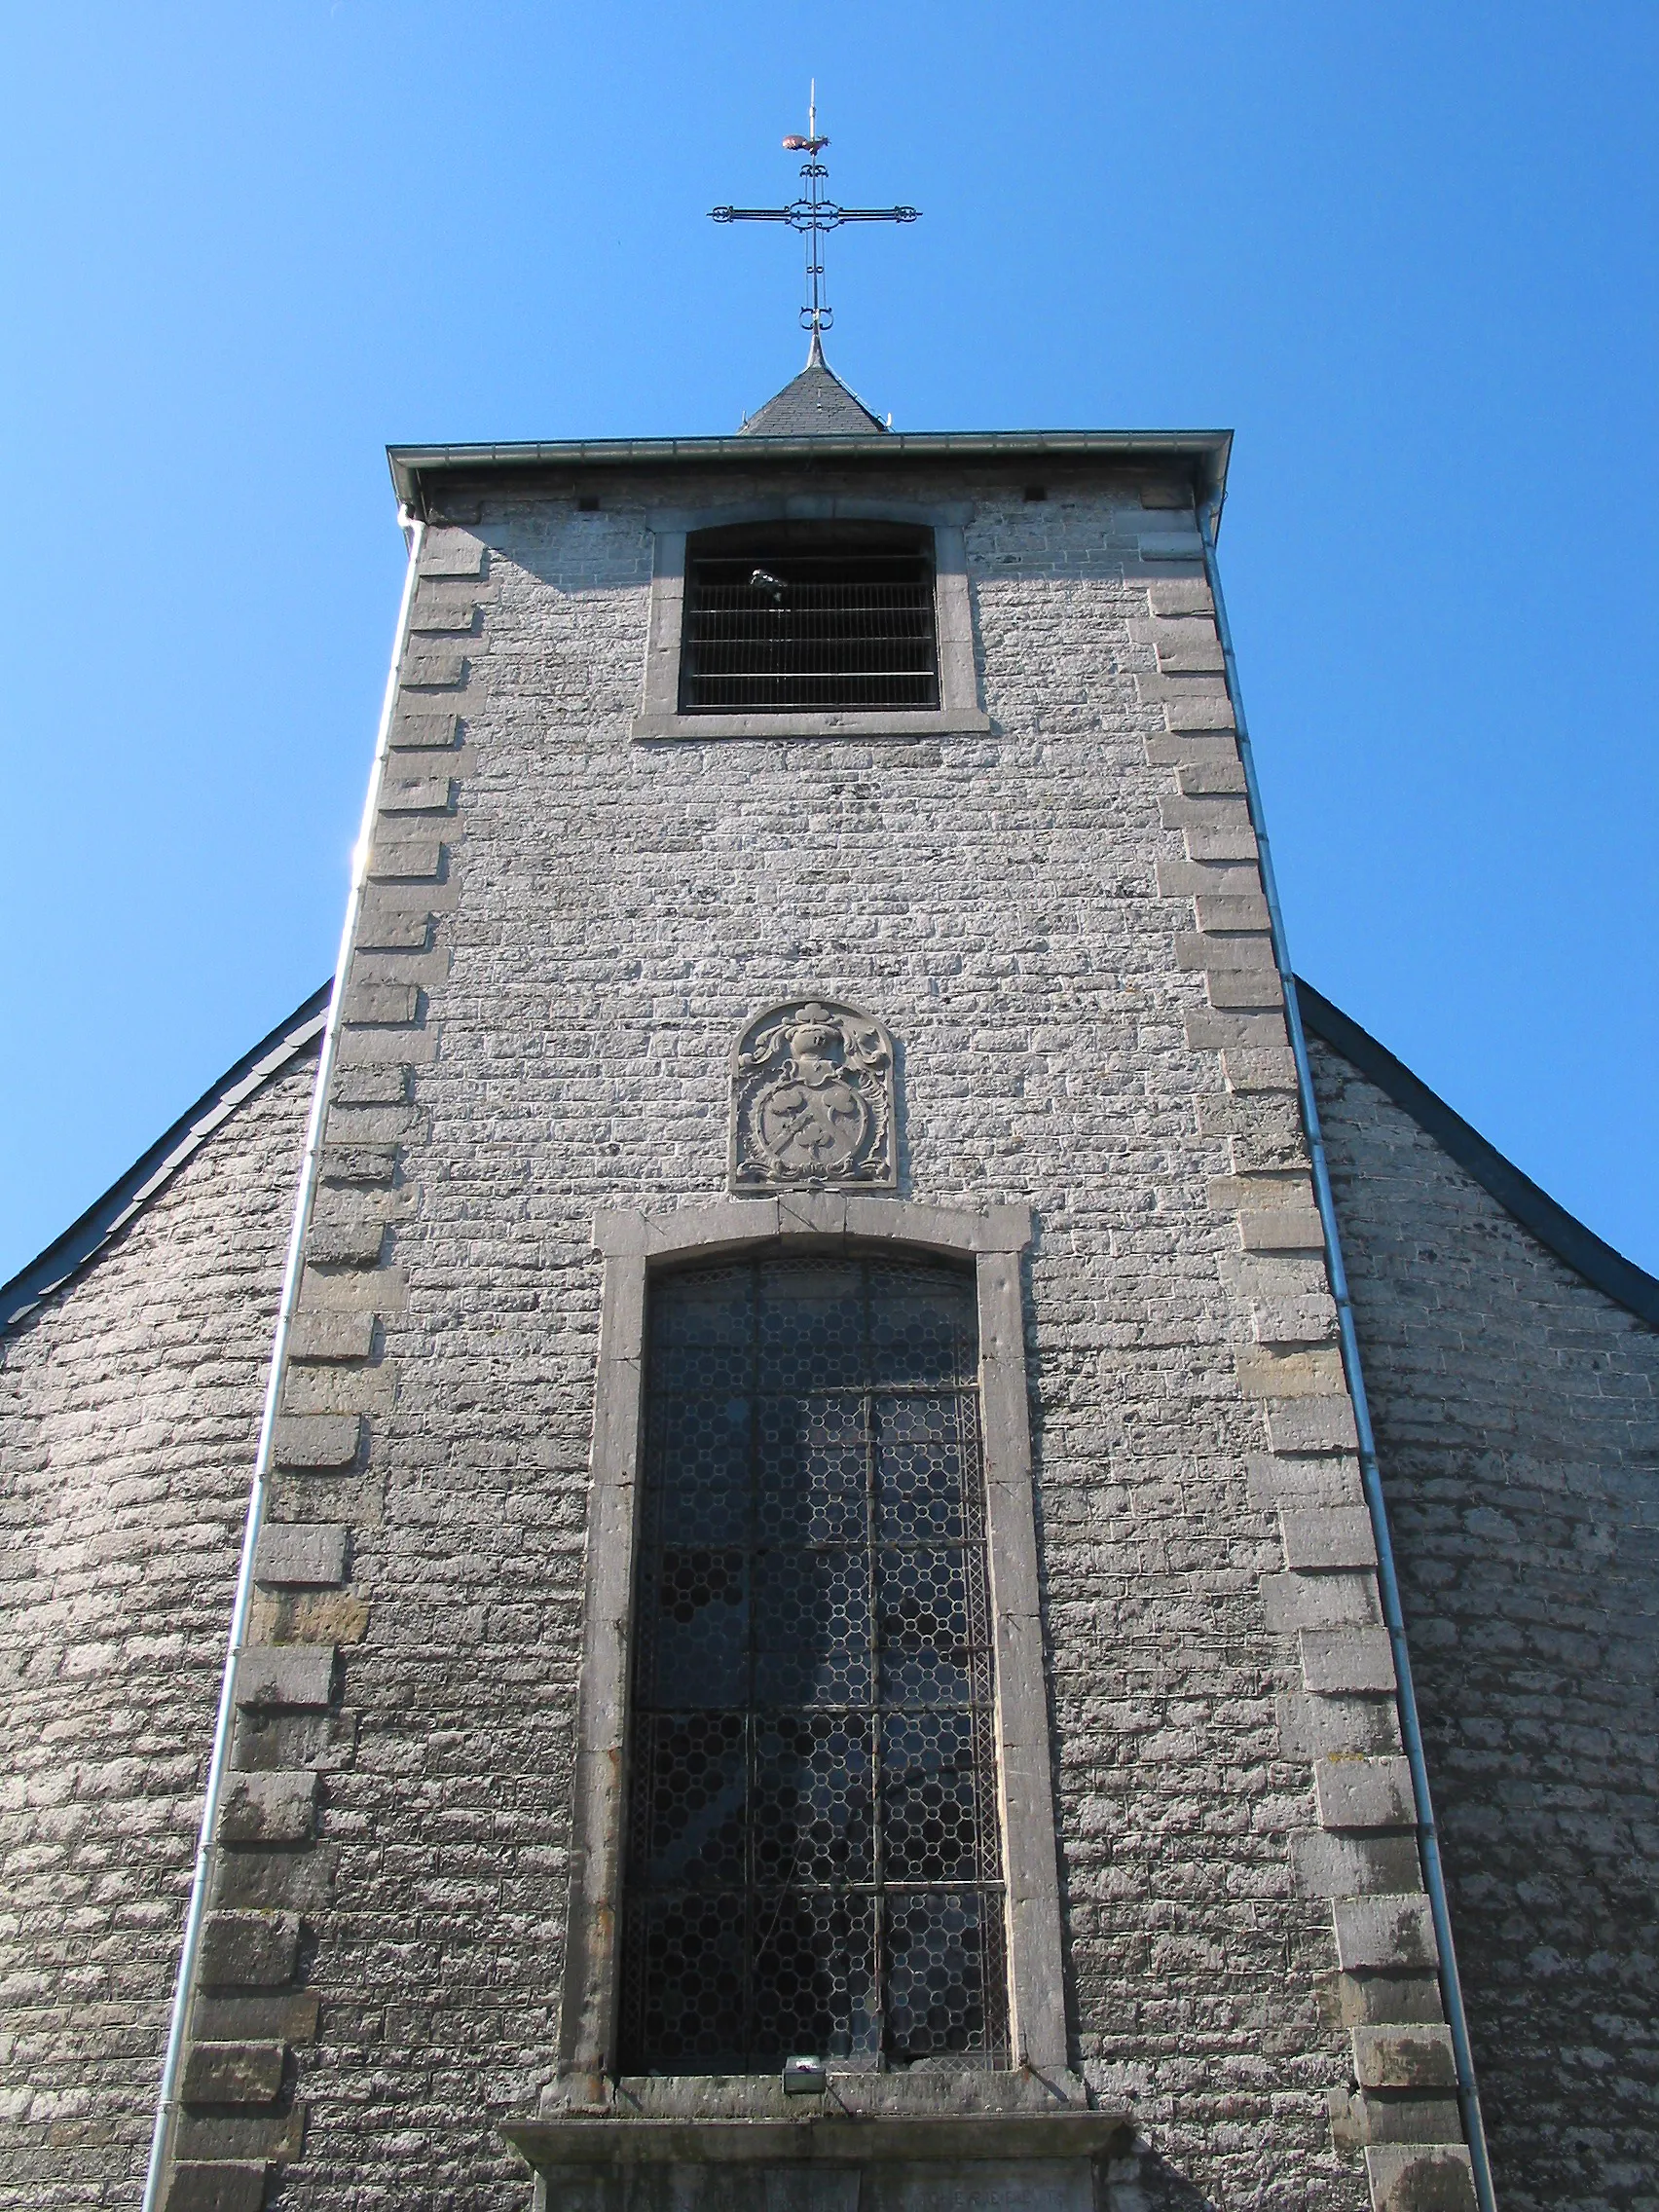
pixel 814 213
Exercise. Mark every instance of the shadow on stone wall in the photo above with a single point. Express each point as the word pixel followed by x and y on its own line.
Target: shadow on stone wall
pixel 1146 2182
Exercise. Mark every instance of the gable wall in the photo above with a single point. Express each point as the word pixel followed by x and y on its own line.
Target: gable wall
pixel 1518 1434
pixel 130 1407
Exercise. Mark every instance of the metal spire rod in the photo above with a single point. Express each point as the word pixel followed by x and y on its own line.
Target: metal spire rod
pixel 814 212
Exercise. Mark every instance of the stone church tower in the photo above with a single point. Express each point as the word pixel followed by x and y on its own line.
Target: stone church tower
pixel 889 1466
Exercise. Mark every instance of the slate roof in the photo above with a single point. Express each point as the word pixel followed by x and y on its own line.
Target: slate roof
pixel 150 1175
pixel 1558 1230
pixel 816 404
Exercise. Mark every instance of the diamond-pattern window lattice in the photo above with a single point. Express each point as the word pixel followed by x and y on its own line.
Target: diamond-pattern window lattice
pixel 813 1855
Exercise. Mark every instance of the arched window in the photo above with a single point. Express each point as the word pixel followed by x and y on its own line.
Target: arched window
pixel 812 1861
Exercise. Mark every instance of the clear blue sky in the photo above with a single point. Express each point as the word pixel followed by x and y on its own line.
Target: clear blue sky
pixel 1406 253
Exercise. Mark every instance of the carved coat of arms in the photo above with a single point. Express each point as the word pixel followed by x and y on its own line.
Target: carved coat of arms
pixel 812 1100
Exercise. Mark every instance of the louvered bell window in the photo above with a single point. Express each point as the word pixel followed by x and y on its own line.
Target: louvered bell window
pixel 813 1859
pixel 806 615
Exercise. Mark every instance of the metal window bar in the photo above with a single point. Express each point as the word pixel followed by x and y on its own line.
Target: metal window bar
pixel 814 1861
pixel 770 627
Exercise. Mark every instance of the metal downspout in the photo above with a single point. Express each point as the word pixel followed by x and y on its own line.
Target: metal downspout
pixel 1410 1730
pixel 167 2097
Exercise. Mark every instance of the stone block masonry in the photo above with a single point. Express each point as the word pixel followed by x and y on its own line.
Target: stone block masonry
pixel 1060 918
pixel 129 1406
pixel 1517 1412
pixel 553 966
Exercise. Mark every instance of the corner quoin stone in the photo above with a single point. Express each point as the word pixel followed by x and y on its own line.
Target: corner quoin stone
pixel 268 1808
pixel 1415 2058
pixel 1327 1538
pixel 318 1440
pixel 1334 1660
pixel 295 1554
pixel 285 1675
pixel 1412 2177
pixel 233 2074
pixel 217 2184
pixel 1381 1934
pixel 1357 1793
pixel 249 1950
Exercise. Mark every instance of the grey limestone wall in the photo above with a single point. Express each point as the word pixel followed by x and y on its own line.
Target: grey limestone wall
pixel 1061 923
pixel 1517 1432
pixel 130 1404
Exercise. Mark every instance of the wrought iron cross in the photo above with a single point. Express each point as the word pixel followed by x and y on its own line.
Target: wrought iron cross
pixel 814 213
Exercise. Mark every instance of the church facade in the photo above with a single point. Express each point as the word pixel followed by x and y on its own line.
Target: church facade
pixel 920 1537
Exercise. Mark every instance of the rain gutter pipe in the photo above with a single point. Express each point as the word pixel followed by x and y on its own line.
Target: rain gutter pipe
pixel 1411 1728
pixel 168 2097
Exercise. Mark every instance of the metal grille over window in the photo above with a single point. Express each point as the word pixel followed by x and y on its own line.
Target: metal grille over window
pixel 804 616
pixel 813 1854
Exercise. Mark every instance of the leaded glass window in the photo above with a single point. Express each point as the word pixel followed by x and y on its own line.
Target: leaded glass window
pixel 813 1862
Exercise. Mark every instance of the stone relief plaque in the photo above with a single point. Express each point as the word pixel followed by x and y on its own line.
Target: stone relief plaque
pixel 812 1103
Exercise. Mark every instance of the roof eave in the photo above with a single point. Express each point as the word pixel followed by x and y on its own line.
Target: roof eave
pixel 1204 453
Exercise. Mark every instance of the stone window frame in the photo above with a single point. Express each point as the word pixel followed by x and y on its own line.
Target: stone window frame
pixel 958 712
pixel 634 1243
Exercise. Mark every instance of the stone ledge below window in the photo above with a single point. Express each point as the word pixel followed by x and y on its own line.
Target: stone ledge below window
pixel 823 2160
pixel 934 2090
pixel 893 722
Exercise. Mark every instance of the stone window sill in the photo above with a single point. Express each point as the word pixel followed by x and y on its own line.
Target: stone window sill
pixel 861 2093
pixel 824 2135
pixel 895 722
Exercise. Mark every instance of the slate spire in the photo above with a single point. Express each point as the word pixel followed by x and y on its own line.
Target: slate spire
pixel 816 404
